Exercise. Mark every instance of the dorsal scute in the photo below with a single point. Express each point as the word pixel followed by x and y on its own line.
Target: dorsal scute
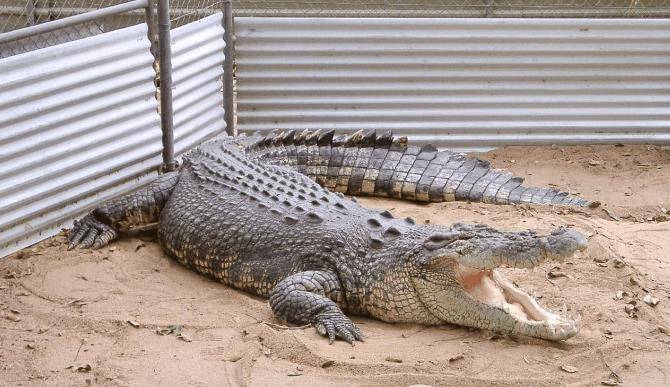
pixel 289 137
pixel 311 139
pixel 354 139
pixel 339 140
pixel 368 138
pixel 385 140
pixel 326 138
pixel 399 144
pixel 301 137
pixel 277 139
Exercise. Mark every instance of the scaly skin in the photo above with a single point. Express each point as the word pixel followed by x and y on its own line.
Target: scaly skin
pixel 271 231
pixel 379 165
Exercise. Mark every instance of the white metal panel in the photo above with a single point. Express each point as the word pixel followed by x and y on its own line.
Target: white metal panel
pixel 78 126
pixel 197 71
pixel 458 82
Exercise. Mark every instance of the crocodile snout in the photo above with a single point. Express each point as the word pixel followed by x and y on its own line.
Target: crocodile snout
pixel 563 242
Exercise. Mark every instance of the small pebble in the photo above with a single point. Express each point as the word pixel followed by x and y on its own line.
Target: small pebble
pixel 650 300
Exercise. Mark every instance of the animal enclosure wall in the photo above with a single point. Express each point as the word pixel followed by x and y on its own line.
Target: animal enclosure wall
pixel 458 82
pixel 80 126
pixel 80 122
pixel 197 71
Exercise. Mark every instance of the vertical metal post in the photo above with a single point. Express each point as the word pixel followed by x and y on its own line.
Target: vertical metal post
pixel 151 25
pixel 229 54
pixel 165 64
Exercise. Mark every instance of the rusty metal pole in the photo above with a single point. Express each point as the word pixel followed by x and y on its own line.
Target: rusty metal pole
pixel 228 66
pixel 165 54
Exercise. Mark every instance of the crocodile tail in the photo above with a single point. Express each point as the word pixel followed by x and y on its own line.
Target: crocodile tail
pixel 367 163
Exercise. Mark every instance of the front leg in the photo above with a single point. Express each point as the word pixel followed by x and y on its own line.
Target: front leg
pixel 103 224
pixel 310 297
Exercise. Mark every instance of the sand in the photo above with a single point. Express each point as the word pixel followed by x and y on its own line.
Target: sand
pixel 64 315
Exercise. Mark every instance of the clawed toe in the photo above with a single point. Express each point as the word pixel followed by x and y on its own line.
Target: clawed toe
pixel 90 233
pixel 338 326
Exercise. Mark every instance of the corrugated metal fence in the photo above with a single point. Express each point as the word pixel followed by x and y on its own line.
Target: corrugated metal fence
pixel 197 71
pixel 458 82
pixel 80 124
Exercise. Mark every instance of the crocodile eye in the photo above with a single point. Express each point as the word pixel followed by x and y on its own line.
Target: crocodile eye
pixel 439 240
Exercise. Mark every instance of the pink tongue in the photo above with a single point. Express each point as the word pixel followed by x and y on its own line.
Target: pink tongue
pixel 472 279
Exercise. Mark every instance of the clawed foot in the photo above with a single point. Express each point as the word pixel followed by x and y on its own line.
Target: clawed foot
pixel 335 324
pixel 90 233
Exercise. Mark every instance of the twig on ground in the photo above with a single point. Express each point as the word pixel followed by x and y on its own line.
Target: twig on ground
pixel 277 326
pixel 79 349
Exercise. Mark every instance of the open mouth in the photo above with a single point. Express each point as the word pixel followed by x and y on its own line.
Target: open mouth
pixel 490 287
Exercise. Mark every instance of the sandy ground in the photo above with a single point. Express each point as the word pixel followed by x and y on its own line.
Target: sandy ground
pixel 65 315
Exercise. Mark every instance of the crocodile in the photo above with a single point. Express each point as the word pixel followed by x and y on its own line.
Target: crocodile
pixel 244 215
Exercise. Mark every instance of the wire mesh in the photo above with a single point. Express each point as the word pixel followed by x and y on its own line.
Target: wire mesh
pixel 187 11
pixel 16 14
pixel 455 8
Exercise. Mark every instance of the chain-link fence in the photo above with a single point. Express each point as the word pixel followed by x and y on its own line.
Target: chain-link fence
pixel 16 14
pixel 455 8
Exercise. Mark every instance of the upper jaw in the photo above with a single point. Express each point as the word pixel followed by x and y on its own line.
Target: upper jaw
pixel 481 247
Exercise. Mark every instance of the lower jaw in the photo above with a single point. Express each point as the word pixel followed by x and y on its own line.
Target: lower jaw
pixel 492 288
